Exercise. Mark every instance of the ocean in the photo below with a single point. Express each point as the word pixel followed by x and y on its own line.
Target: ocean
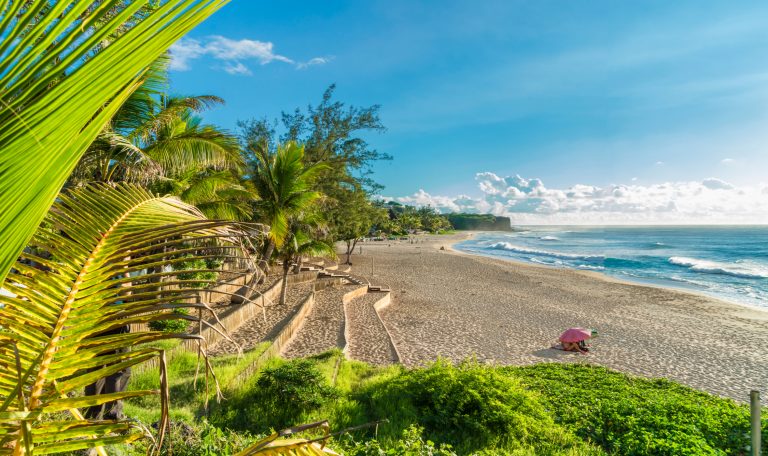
pixel 726 262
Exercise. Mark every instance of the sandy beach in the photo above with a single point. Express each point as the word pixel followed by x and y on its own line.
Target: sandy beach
pixel 455 305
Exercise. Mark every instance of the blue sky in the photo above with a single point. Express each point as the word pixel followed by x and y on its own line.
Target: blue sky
pixel 600 94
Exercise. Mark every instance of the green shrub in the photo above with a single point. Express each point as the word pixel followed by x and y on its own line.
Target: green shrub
pixel 279 398
pixel 634 416
pixel 194 439
pixel 206 277
pixel 171 326
pixel 412 443
pixel 471 407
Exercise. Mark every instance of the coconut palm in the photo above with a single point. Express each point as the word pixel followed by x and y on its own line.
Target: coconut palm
pixel 300 243
pixel 87 274
pixel 218 194
pixel 283 184
pixel 60 85
pixel 153 139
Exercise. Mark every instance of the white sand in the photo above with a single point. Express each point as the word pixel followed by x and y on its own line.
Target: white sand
pixel 454 305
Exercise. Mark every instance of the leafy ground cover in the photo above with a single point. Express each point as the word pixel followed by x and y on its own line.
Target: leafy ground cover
pixel 442 409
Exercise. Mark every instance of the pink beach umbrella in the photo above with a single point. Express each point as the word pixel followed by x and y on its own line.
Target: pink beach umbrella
pixel 575 335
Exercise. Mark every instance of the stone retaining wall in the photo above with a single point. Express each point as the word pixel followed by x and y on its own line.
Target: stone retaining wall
pixel 385 301
pixel 283 337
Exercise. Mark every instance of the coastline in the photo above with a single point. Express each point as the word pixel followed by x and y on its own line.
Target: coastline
pixel 749 310
pixel 453 304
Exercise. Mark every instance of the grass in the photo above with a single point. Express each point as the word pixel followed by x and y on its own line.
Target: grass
pixel 546 409
pixel 187 399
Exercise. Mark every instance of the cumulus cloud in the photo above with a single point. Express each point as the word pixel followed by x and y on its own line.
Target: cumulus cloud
pixel 232 53
pixel 527 201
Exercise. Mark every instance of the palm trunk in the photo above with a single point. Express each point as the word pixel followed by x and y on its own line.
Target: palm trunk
pixel 264 262
pixel 284 287
pixel 299 262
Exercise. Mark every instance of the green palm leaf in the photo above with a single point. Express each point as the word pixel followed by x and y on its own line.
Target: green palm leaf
pixel 284 186
pixel 99 262
pixel 59 86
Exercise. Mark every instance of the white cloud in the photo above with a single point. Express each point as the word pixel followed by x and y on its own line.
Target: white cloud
pixel 659 163
pixel 529 201
pixel 237 68
pixel 313 62
pixel 717 184
pixel 727 161
pixel 232 52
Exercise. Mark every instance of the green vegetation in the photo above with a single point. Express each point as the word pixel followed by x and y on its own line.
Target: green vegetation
pixel 545 409
pixel 635 416
pixel 403 219
pixel 480 222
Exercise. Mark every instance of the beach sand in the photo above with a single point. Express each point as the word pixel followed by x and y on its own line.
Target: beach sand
pixel 455 305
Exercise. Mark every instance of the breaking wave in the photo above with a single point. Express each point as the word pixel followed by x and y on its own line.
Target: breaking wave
pixel 743 270
pixel 563 256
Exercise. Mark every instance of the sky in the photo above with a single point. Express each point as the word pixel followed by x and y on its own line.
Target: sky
pixel 546 111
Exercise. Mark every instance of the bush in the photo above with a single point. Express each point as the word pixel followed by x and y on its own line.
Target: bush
pixel 209 264
pixel 279 398
pixel 196 439
pixel 471 407
pixel 171 326
pixel 411 444
pixel 635 416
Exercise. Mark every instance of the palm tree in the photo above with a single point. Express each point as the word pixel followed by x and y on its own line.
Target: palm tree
pixel 153 139
pixel 300 243
pixel 87 275
pixel 283 184
pixel 219 195
pixel 59 86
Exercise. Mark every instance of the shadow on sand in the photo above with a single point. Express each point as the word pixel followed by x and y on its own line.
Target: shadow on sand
pixel 553 353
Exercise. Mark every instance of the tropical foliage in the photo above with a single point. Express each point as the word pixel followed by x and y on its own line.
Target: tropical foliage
pixel 404 219
pixel 332 134
pixel 299 243
pixel 284 186
pixel 98 264
pixel 51 54
pixel 158 138
pixel 553 409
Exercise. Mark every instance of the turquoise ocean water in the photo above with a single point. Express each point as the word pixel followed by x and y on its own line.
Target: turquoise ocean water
pixel 726 262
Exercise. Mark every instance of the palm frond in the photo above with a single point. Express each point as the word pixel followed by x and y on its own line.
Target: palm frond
pixel 99 263
pixel 277 445
pixel 284 185
pixel 184 148
pixel 59 86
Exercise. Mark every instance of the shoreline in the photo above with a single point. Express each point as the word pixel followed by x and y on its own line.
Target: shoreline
pixel 762 312
pixel 453 304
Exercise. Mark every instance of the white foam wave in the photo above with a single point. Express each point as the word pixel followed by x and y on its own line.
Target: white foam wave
pixel 564 256
pixel 548 263
pixel 549 238
pixel 745 270
pixel 591 267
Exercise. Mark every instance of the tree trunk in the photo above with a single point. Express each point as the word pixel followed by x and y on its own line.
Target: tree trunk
pixel 350 248
pixel 284 286
pixel 299 262
pixel 264 262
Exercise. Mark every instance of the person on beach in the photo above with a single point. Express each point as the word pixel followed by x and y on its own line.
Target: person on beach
pixel 575 340
pixel 580 347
